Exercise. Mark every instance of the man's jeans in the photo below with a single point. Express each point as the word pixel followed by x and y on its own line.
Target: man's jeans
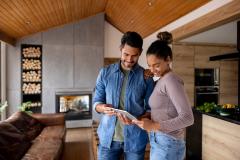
pixel 166 147
pixel 116 152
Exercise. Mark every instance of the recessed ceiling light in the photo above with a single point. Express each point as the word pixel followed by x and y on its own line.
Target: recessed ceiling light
pixel 28 22
pixel 150 3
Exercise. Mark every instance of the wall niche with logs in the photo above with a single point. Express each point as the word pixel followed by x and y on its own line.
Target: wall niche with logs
pixel 31 76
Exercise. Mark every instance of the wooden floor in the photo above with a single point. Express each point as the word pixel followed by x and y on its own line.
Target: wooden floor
pixel 78 144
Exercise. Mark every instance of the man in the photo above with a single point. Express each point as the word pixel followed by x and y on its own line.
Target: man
pixel 122 85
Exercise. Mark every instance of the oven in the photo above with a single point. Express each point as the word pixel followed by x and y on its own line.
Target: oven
pixel 206 86
pixel 206 76
pixel 206 94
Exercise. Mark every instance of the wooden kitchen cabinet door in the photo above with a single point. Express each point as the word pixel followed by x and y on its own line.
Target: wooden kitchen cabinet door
pixel 183 65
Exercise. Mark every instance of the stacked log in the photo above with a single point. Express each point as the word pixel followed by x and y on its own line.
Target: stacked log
pixel 32 52
pixel 31 88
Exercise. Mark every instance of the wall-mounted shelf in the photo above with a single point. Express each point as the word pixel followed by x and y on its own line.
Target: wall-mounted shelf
pixel 31 76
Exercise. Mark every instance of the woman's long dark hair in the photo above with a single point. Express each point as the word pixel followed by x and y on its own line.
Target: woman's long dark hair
pixel 160 48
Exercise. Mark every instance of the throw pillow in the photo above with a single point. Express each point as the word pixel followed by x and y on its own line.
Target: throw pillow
pixel 27 124
pixel 13 144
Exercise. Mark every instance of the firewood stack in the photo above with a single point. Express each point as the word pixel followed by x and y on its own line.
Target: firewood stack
pixel 31 64
pixel 31 76
pixel 32 52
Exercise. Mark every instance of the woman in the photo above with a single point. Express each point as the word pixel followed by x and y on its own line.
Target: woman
pixel 170 108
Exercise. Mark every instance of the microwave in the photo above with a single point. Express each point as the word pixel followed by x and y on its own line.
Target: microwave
pixel 206 76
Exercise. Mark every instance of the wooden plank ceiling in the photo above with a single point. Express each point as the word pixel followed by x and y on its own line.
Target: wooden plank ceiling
pixel 147 16
pixel 19 18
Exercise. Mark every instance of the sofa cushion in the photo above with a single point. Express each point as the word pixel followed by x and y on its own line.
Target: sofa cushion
pixel 52 132
pixel 43 149
pixel 13 143
pixel 25 123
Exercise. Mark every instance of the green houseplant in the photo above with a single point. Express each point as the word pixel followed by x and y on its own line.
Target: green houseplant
pixel 207 107
pixel 25 106
pixel 3 106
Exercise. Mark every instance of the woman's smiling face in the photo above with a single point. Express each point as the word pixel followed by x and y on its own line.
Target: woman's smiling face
pixel 158 66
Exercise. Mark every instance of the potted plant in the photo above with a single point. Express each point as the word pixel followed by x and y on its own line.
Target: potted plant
pixel 207 107
pixel 25 106
pixel 3 106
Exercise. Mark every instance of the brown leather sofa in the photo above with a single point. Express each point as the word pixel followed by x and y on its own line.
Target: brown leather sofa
pixel 32 137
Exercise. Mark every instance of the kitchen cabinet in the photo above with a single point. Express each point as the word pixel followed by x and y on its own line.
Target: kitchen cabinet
pixel 220 139
pixel 194 138
pixel 183 65
pixel 229 82
pixel 213 137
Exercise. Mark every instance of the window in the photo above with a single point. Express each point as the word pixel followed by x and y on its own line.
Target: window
pixel 3 77
pixel 0 74
pixel 0 78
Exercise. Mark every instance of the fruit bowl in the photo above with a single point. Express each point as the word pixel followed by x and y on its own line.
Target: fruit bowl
pixel 226 109
pixel 225 112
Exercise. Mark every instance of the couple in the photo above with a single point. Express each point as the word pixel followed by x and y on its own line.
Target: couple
pixel 163 110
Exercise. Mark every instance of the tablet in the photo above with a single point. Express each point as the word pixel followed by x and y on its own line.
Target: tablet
pixel 124 113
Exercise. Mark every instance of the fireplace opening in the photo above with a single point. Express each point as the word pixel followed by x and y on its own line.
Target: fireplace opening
pixel 75 105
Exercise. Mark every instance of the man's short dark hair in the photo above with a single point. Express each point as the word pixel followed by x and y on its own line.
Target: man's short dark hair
pixel 132 39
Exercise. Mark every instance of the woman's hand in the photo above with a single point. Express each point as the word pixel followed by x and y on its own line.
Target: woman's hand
pixel 147 124
pixel 124 119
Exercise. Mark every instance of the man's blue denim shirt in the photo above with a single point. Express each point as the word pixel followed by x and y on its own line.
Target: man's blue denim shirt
pixel 108 91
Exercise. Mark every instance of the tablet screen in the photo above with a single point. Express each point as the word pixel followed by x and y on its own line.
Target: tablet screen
pixel 125 113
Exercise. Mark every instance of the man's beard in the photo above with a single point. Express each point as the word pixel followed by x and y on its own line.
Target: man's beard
pixel 128 65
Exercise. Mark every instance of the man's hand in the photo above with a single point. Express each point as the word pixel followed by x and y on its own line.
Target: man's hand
pixel 105 108
pixel 124 119
pixel 148 74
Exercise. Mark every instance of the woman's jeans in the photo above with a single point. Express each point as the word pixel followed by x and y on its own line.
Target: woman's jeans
pixel 116 152
pixel 166 147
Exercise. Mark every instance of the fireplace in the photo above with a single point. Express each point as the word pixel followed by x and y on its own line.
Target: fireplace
pixel 75 105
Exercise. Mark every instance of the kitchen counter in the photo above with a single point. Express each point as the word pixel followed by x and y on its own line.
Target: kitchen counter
pixel 220 139
pixel 213 137
pixel 232 118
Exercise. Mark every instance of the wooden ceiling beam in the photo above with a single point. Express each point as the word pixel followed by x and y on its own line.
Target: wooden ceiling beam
pixel 220 16
pixel 6 38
